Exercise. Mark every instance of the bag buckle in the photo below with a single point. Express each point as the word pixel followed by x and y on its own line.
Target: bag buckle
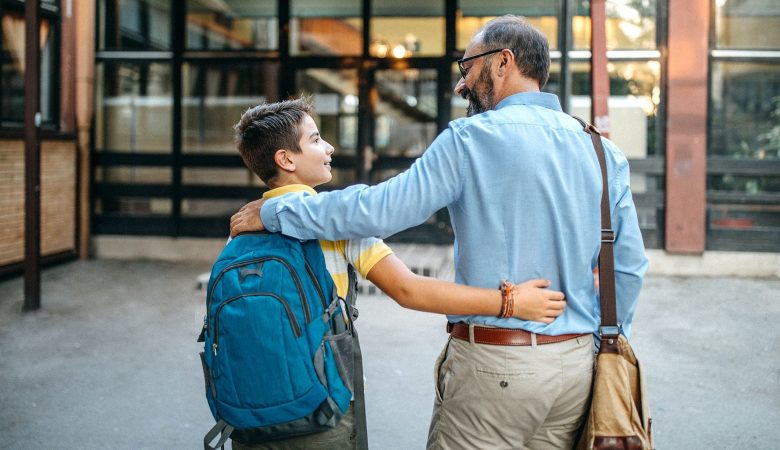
pixel 611 331
pixel 607 235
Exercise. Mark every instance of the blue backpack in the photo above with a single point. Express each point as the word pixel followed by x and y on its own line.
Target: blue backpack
pixel 280 351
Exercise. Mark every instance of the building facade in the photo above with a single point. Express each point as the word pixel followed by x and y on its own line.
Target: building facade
pixel 139 98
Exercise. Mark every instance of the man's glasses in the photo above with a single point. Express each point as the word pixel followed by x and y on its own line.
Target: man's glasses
pixel 463 70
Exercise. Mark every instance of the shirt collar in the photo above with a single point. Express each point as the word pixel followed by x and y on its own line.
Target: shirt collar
pixel 287 189
pixel 543 99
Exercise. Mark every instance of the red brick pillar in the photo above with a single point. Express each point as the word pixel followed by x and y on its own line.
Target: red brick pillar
pixel 686 125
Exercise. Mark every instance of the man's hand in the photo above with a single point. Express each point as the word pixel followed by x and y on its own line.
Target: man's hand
pixel 534 302
pixel 247 218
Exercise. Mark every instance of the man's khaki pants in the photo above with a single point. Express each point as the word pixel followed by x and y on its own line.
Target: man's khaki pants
pixel 510 397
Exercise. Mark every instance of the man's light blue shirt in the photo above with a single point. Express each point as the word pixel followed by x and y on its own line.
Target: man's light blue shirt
pixel 523 187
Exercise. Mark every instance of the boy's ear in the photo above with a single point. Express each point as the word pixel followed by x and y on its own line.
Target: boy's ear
pixel 283 160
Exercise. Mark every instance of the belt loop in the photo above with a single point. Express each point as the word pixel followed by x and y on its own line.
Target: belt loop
pixel 533 340
pixel 471 333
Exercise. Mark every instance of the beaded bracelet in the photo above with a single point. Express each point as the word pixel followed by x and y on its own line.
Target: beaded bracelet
pixel 507 299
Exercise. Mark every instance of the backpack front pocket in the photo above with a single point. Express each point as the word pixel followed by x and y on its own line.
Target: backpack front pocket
pixel 275 366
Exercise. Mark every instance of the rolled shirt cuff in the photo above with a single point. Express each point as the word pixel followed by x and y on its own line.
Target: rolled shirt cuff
pixel 268 215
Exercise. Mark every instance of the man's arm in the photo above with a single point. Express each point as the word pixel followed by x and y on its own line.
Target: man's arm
pixel 532 300
pixel 433 182
pixel 629 250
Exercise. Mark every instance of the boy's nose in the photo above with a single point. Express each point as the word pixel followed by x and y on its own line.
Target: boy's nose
pixel 330 149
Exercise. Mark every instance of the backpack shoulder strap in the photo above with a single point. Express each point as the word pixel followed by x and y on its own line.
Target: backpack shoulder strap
pixel 357 363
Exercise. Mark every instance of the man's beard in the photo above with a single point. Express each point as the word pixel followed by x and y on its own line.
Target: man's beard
pixel 480 102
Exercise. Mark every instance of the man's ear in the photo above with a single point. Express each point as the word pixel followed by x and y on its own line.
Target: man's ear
pixel 283 160
pixel 505 61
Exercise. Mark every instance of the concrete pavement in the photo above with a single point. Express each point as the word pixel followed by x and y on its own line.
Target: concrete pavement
pixel 111 361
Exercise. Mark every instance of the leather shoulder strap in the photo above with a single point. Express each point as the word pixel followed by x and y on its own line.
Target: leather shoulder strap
pixel 609 326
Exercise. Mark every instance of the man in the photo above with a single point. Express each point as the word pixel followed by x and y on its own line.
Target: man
pixel 522 185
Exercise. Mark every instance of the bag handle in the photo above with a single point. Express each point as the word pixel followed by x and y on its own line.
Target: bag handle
pixel 609 327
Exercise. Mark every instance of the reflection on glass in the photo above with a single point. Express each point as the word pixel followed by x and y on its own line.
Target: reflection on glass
pixel 210 207
pixel 127 206
pixel 214 97
pixel 334 95
pixel 745 110
pixel 747 25
pixel 134 25
pixel 12 63
pixel 231 25
pixel 476 13
pixel 133 112
pixel 743 211
pixel 332 27
pixel 226 176
pixel 406 115
pixel 631 25
pixel 635 93
pixel 133 175
pixel 407 28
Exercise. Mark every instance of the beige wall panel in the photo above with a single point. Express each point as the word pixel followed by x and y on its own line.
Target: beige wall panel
pixel 58 198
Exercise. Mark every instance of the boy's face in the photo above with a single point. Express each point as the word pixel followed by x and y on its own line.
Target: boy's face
pixel 312 164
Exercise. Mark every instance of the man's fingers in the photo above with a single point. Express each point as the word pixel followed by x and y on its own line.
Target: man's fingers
pixel 539 282
pixel 556 295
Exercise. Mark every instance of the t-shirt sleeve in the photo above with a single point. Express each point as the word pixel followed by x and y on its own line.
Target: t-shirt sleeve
pixel 364 253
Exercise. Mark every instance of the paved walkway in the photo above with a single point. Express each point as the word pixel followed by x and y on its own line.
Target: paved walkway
pixel 111 361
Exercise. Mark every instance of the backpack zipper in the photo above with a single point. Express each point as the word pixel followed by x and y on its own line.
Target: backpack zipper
pixel 304 300
pixel 290 315
pixel 316 285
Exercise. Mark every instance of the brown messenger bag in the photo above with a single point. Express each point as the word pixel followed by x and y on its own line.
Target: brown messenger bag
pixel 619 416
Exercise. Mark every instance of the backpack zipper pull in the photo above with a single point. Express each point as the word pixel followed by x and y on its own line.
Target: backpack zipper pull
pixel 214 346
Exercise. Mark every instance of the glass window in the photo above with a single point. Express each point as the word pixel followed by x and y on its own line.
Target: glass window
pixel 211 207
pixel 133 175
pixel 631 25
pixel 134 25
pixel 332 27
pixel 133 108
pixel 12 68
pixel 745 110
pixel 226 176
pixel 407 28
pixel 405 116
pixel 476 13
pixel 215 96
pixel 747 25
pixel 131 206
pixel 232 25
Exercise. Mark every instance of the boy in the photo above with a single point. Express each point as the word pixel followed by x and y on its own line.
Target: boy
pixel 281 144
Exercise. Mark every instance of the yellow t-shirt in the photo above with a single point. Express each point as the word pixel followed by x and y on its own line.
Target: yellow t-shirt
pixel 363 254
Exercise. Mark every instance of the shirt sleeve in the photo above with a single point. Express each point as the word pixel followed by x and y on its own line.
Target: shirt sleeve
pixel 431 183
pixel 629 250
pixel 364 253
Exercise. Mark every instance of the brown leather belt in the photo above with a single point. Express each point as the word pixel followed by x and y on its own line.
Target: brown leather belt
pixel 503 336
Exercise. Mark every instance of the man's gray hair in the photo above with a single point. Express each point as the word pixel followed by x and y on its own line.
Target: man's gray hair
pixel 529 45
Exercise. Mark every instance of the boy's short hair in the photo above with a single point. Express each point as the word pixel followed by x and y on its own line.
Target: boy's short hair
pixel 266 128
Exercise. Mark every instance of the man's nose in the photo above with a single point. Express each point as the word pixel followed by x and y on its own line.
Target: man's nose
pixel 330 149
pixel 460 86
